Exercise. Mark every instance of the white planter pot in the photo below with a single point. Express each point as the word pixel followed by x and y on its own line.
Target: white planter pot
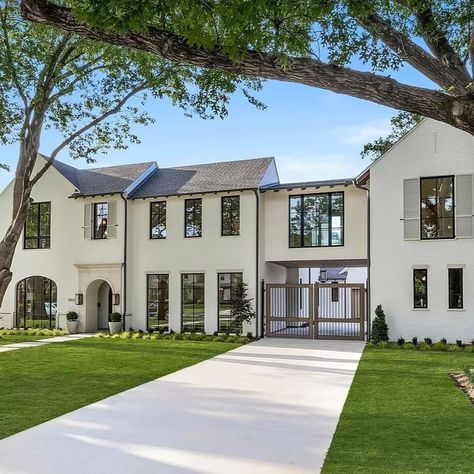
pixel 71 326
pixel 115 327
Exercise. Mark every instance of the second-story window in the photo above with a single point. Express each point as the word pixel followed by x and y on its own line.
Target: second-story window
pixel 230 215
pixel 193 218
pixel 37 232
pixel 437 207
pixel 158 220
pixel 316 220
pixel 101 217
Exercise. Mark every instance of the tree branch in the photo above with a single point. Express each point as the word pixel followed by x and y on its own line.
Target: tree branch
pixel 87 127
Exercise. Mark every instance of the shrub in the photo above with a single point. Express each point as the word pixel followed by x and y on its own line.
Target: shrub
pixel 371 345
pixel 459 342
pixel 454 348
pixel 249 335
pixel 440 346
pixel 409 346
pixel 219 339
pixel 414 341
pixel 137 335
pixel 116 318
pixel 400 341
pixel 115 336
pixel 429 341
pixel 469 348
pixel 72 316
pixel 423 346
pixel 179 337
pixel 379 326
pixel 443 340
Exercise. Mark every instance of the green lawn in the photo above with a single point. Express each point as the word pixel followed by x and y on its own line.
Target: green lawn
pixel 41 383
pixel 14 339
pixel 404 414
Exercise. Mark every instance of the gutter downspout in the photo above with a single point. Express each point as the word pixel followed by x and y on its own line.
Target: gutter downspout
pixel 357 185
pixel 124 306
pixel 257 266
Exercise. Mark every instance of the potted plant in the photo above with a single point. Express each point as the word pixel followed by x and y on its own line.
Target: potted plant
pixel 115 323
pixel 72 322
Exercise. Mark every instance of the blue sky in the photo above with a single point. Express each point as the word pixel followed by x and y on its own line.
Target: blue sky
pixel 313 134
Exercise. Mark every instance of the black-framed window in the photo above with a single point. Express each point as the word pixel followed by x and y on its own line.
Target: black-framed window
pixel 316 220
pixel 192 302
pixel 437 207
pixel 227 284
pixel 455 286
pixel 230 215
pixel 36 302
pixel 157 302
pixel 101 218
pixel 158 220
pixel 37 232
pixel 334 294
pixel 420 288
pixel 193 218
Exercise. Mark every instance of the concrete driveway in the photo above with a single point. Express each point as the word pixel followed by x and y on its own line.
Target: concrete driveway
pixel 267 407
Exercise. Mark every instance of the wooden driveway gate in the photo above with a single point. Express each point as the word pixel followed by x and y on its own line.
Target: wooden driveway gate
pixel 319 311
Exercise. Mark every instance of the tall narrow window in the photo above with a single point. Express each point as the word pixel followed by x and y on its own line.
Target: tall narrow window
pixel 37 233
pixel 455 288
pixel 193 218
pixel 334 294
pixel 420 288
pixel 230 215
pixel 437 207
pixel 157 302
pixel 192 302
pixel 227 284
pixel 316 220
pixel 158 220
pixel 36 302
pixel 101 217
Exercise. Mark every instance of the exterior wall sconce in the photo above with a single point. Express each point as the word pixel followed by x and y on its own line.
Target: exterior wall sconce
pixel 79 298
pixel 116 299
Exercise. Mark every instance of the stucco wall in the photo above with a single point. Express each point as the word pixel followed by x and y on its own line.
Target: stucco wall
pixel 431 149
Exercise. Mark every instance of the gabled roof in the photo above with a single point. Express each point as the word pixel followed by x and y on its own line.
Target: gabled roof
pixel 204 178
pixel 107 180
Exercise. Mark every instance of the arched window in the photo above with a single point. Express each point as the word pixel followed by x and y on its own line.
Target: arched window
pixel 36 302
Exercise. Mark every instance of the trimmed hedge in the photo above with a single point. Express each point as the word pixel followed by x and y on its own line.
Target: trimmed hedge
pixel 32 332
pixel 421 346
pixel 157 336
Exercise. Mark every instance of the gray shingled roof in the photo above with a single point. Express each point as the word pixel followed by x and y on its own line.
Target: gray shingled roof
pixel 211 177
pixel 107 180
pixel 309 184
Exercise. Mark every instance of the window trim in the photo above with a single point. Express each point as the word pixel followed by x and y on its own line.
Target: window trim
pixel 453 177
pixel 94 223
pixel 425 306
pixel 461 269
pixel 222 215
pixel 185 211
pixel 329 194
pixel 218 298
pixel 151 220
pixel 38 236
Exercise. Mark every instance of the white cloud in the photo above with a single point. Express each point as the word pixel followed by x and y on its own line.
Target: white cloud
pixel 360 133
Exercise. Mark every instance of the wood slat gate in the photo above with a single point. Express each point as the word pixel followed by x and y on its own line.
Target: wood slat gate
pixel 320 311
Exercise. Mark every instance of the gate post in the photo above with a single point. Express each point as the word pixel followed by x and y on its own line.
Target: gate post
pixel 315 311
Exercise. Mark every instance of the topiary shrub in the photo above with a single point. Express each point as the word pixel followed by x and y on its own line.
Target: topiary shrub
pixel 444 340
pixel 400 341
pixel 429 341
pixel 459 342
pixel 379 326
pixel 414 340
pixel 72 316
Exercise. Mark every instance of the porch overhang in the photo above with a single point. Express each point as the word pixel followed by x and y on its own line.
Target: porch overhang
pixel 320 263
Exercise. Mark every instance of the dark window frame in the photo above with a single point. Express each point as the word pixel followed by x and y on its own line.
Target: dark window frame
pixel 148 299
pixel 204 301
pixel 335 294
pixel 461 294
pixel 38 237
pixel 454 206
pixel 301 234
pixel 95 205
pixel 425 270
pixel 218 295
pixel 223 198
pixel 152 237
pixel 194 214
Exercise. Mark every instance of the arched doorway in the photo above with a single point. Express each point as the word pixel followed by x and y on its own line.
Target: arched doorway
pixel 36 302
pixel 98 305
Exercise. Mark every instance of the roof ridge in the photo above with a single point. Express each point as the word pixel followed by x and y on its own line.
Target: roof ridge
pixel 217 163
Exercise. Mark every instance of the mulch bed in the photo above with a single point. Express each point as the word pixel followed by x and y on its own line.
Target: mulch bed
pixel 461 381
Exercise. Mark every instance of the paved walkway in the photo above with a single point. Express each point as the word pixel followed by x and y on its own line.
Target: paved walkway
pixel 267 407
pixel 42 342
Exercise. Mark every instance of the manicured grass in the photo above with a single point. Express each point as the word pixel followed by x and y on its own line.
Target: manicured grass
pixel 404 414
pixel 41 383
pixel 14 339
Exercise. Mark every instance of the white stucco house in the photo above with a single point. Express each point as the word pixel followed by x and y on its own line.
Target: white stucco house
pixel 166 246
